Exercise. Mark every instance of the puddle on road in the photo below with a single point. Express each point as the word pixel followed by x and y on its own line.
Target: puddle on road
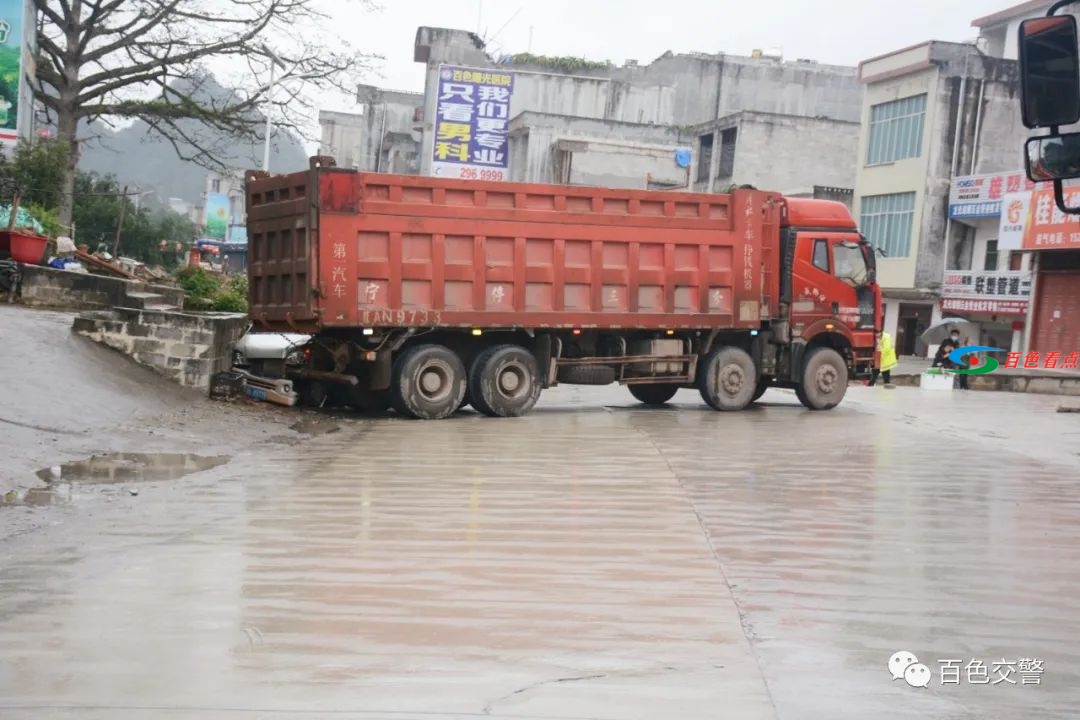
pixel 313 425
pixel 110 469
pixel 130 467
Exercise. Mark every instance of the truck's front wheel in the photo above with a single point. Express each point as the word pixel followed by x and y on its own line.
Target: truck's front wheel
pixel 428 382
pixel 504 381
pixel 728 379
pixel 824 379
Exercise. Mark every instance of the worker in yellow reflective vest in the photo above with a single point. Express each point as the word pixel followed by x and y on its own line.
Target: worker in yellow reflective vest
pixel 886 360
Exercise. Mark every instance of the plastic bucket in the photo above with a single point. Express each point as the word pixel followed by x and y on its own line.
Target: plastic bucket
pixel 29 249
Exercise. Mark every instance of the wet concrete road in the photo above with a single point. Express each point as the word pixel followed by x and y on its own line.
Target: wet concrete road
pixel 594 560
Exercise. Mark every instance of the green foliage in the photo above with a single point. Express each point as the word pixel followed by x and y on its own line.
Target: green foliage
pixel 563 64
pixel 208 291
pixel 197 282
pixel 36 172
pixel 49 219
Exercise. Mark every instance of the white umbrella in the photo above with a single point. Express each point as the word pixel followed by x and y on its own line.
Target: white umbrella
pixel 940 330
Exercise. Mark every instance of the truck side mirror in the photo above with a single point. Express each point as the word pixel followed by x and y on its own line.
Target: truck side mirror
pixel 1052 157
pixel 1049 72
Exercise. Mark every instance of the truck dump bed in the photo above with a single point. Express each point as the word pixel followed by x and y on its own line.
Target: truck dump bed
pixel 333 248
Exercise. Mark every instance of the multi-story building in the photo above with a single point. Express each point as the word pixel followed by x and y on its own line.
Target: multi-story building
pixel 931 112
pixel 696 120
pixel 1025 253
pixel 380 137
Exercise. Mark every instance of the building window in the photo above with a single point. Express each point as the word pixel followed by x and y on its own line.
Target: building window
pixel 727 152
pixel 215 186
pixel 821 255
pixel 887 220
pixel 705 148
pixel 896 130
pixel 990 262
pixel 1016 260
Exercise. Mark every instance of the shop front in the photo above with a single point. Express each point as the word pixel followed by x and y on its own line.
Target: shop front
pixel 1055 238
pixel 991 284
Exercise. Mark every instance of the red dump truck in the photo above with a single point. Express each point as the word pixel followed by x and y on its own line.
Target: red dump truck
pixel 426 294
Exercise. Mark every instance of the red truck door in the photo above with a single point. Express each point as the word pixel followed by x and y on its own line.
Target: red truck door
pixel 828 272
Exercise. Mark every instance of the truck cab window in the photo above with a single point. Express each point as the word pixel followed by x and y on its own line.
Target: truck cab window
pixel 850 263
pixel 821 255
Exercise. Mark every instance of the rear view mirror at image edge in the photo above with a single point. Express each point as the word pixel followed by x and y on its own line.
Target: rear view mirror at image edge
pixel 1053 157
pixel 1049 72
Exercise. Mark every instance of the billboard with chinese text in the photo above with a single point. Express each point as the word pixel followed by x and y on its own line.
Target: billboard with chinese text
pixel 1048 228
pixel 979 196
pixel 1014 214
pixel 472 118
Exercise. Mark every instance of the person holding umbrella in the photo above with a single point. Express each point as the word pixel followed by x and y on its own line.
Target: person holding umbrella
pixel 947 332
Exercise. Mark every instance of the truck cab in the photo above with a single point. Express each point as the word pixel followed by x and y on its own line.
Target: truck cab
pixel 828 287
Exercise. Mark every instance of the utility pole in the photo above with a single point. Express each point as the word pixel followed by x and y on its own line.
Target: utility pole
pixel 120 224
pixel 275 61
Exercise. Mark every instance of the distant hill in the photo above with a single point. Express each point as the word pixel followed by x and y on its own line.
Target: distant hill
pixel 139 157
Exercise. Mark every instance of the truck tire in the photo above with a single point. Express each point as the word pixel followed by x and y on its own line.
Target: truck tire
pixel 824 379
pixel 586 375
pixel 654 394
pixel 504 381
pixel 728 379
pixel 428 382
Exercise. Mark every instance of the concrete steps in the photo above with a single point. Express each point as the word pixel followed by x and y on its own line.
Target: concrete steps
pixel 148 301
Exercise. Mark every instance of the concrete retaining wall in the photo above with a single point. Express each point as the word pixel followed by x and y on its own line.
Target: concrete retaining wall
pixel 184 347
pixel 51 288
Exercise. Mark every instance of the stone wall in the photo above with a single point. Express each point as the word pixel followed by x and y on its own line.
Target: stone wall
pixel 46 287
pixel 184 347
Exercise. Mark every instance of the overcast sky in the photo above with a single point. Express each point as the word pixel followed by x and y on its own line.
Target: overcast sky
pixel 830 31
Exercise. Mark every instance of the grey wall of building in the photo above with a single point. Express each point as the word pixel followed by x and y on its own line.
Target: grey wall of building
pixel 675 89
pixel 785 153
pixel 533 137
pixel 379 137
pixel 990 140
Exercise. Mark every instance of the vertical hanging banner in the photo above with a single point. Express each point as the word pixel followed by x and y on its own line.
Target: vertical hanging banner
pixel 472 119
pixel 217 215
pixel 12 84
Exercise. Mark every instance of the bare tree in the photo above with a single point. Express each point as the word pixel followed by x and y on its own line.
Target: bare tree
pixel 146 60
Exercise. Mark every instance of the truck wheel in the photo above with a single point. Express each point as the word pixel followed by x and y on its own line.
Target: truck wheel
pixel 762 386
pixel 504 381
pixel 656 394
pixel 428 382
pixel 824 379
pixel 586 375
pixel 728 379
